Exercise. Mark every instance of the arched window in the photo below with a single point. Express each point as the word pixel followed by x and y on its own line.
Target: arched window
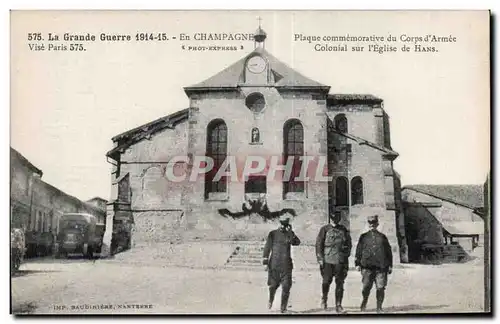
pixel 217 150
pixel 331 140
pixel 341 192
pixel 293 148
pixel 357 191
pixel 341 123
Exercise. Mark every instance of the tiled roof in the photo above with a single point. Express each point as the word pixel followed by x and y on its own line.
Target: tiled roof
pixel 136 134
pixel 25 161
pixel 339 98
pixel 98 198
pixel 462 224
pixel 68 197
pixel 464 227
pixel 232 76
pixel 470 196
pixel 172 118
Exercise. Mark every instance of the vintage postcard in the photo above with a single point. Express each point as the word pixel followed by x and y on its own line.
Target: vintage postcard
pixel 250 162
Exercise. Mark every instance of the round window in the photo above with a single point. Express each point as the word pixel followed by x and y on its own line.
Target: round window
pixel 255 102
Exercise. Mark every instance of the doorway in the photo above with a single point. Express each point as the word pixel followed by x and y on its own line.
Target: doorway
pixel 338 200
pixel 256 185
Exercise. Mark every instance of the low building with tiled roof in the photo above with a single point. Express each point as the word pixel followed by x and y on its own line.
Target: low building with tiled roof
pixel 470 196
pixel 445 217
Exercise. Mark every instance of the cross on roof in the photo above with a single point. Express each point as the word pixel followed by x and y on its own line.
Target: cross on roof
pixel 259 19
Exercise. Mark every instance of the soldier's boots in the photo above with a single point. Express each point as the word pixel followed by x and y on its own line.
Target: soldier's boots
pixel 325 288
pixel 272 293
pixel 339 294
pixel 380 299
pixel 324 303
pixel 284 307
pixel 339 309
pixel 363 303
pixel 284 301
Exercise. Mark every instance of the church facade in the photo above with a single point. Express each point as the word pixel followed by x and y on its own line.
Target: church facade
pixel 257 109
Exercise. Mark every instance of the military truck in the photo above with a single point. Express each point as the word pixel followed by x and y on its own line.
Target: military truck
pixel 79 233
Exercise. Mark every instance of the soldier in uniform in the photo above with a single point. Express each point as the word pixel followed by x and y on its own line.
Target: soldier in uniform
pixel 278 261
pixel 333 248
pixel 374 260
pixel 18 247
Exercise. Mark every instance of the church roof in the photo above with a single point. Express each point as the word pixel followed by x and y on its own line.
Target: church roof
pixel 134 135
pixel 342 99
pixel 232 76
pixel 470 196
pixel 98 199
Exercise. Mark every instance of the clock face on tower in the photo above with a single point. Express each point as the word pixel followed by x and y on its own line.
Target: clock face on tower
pixel 256 64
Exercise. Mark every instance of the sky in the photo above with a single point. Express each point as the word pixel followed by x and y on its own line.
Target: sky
pixel 66 106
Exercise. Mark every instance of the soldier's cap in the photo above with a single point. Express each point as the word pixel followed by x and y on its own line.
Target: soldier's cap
pixel 285 218
pixel 373 219
pixel 334 214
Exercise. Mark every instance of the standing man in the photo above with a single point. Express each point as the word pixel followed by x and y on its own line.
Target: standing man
pixel 333 248
pixel 17 247
pixel 278 261
pixel 374 260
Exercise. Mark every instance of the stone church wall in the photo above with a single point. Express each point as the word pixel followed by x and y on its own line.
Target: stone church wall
pixel 154 199
pixel 378 183
pixel 146 163
pixel 153 227
pixel 361 120
pixel 202 215
pixel 230 107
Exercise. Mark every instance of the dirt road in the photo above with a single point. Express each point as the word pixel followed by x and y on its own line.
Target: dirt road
pixel 81 286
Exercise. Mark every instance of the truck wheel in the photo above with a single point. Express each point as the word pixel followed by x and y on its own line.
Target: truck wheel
pixel 56 251
pixel 61 254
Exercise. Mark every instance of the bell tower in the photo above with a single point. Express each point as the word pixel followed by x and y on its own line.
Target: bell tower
pixel 257 70
pixel 259 36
